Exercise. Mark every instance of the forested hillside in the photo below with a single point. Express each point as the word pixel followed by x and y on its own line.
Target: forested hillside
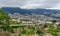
pixel 4 20
pixel 3 15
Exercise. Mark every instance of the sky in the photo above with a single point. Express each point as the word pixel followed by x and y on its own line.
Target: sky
pixel 31 4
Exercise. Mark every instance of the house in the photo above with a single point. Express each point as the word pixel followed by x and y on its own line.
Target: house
pixel 15 19
pixel 48 22
pixel 56 24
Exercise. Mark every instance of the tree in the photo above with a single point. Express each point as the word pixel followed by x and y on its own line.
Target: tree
pixel 45 25
pixel 53 21
pixel 3 15
pixel 4 20
pixel 40 32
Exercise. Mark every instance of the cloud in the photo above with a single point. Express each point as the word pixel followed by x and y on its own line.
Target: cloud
pixel 28 4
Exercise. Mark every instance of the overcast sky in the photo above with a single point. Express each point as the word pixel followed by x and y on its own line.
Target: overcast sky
pixel 28 4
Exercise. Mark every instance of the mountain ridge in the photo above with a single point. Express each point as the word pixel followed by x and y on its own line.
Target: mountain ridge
pixel 46 12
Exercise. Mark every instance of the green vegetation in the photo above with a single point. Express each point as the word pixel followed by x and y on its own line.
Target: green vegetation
pixel 54 30
pixel 3 15
pixel 26 30
pixel 4 20
pixel 13 22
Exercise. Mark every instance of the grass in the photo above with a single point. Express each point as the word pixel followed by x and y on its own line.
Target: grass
pixel 28 34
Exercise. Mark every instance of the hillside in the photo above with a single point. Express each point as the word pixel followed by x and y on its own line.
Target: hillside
pixel 45 12
pixel 3 15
